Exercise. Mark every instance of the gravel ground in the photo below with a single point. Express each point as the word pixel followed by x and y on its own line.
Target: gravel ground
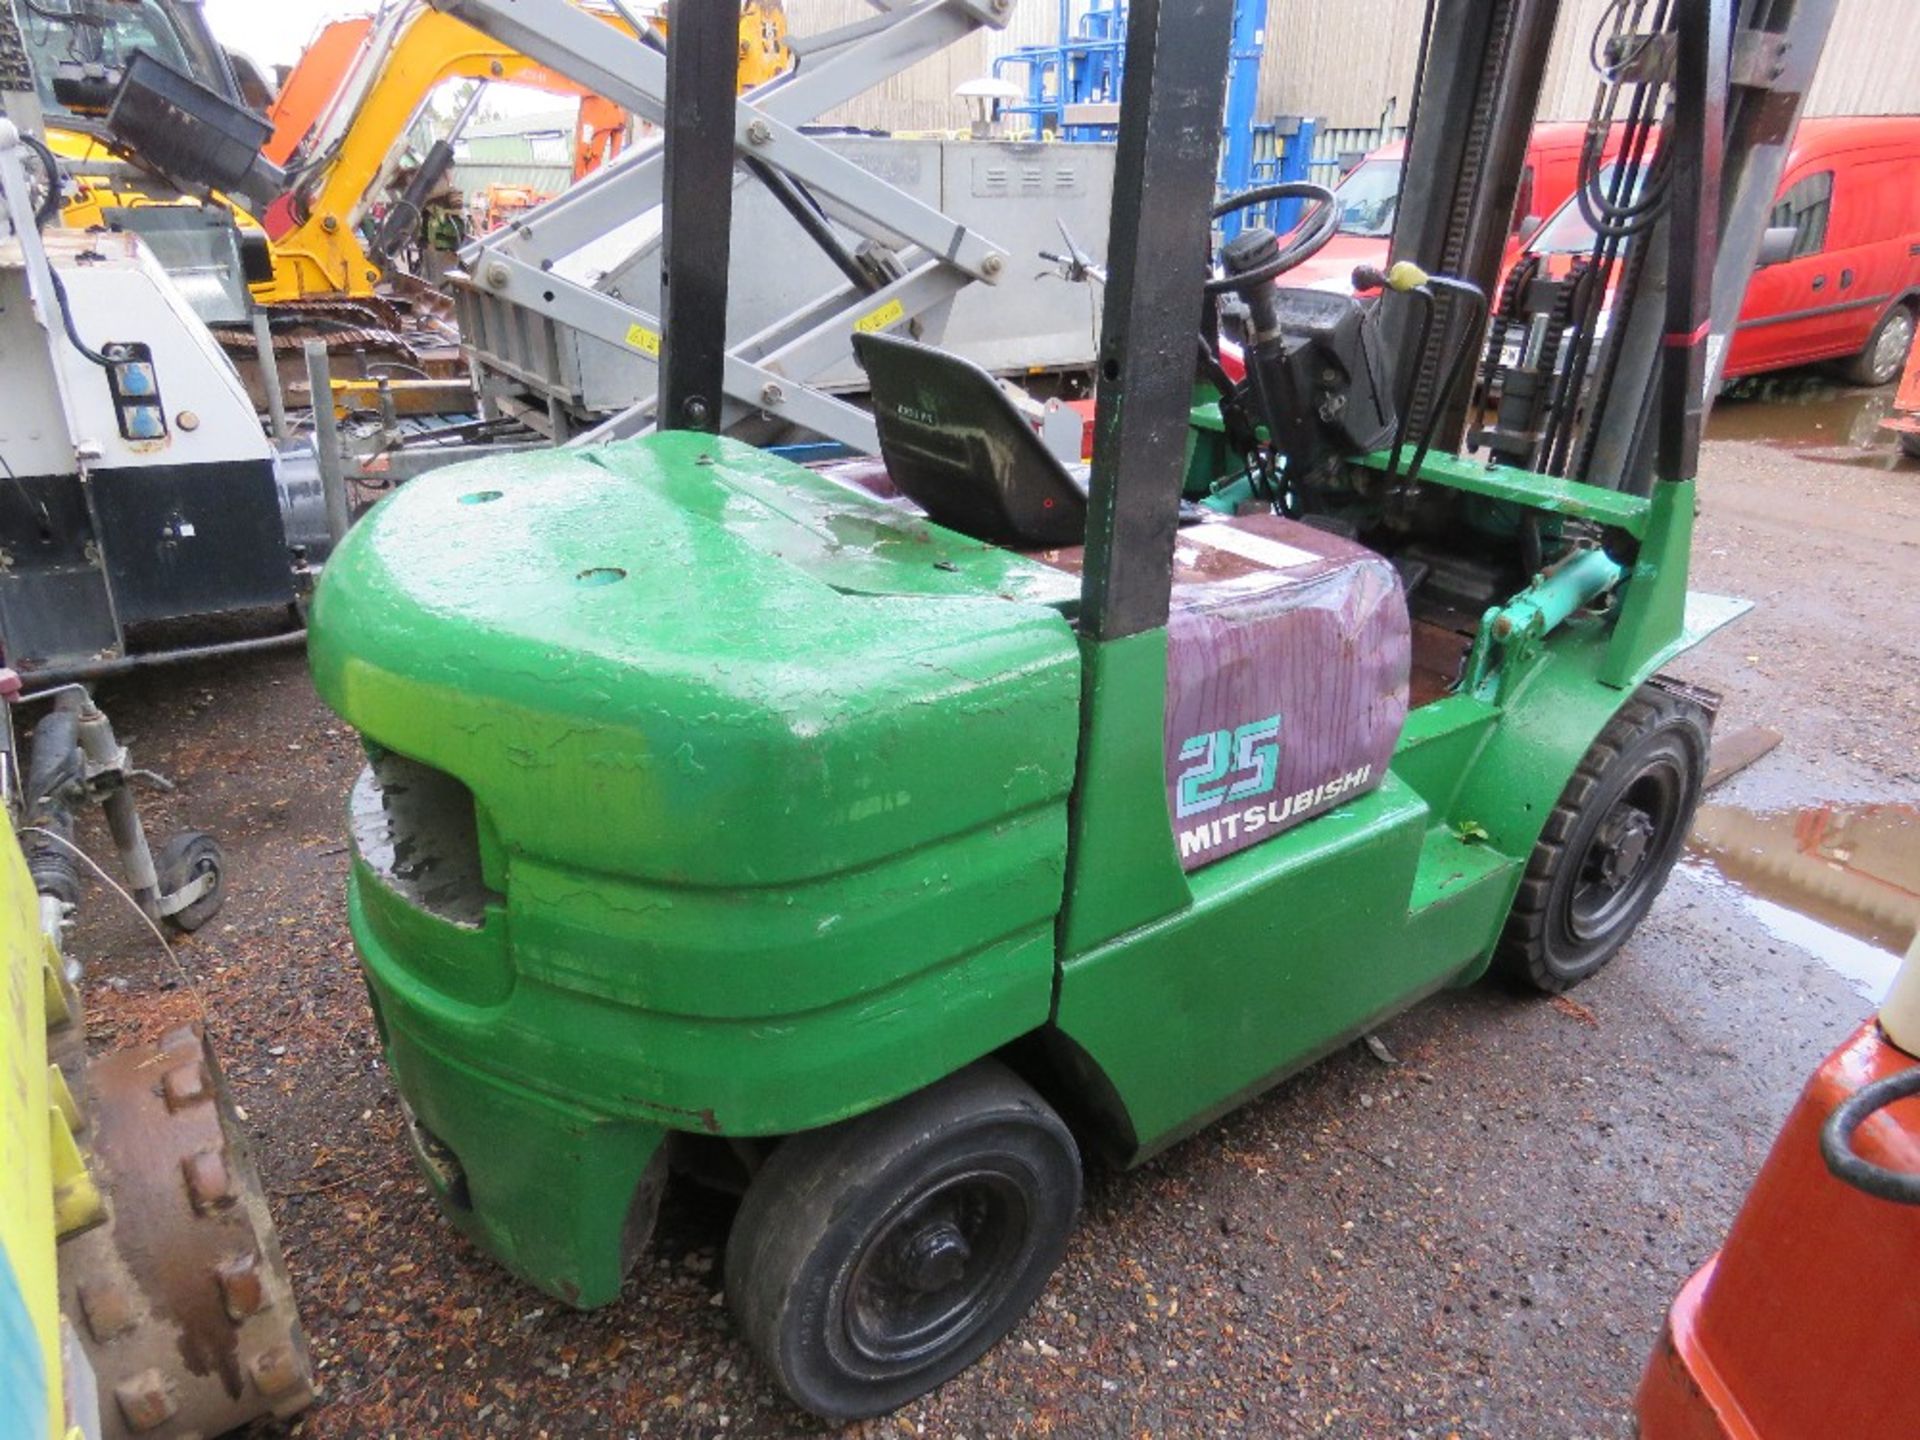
pixel 1479 1240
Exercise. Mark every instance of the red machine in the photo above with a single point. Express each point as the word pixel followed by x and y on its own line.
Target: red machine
pixel 1806 1325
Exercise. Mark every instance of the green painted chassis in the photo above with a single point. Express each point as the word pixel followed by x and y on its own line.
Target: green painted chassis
pixel 597 1012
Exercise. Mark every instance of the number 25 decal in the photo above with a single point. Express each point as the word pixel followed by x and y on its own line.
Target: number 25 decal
pixel 1223 754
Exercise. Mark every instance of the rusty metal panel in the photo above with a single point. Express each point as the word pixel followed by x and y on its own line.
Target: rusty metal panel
pixel 180 1296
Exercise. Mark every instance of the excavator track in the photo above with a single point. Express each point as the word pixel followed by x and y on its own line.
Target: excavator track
pixel 179 1293
pixel 346 324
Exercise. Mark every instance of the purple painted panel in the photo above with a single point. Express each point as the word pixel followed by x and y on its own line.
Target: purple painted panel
pixel 1289 662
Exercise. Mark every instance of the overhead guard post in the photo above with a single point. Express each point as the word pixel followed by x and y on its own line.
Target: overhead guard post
pixel 703 60
pixel 1698 139
pixel 1169 151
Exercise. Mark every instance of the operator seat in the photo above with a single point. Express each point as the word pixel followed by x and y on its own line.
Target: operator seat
pixel 955 445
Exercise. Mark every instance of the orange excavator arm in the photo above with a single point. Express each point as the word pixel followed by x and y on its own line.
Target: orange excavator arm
pixel 351 154
pixel 602 134
pixel 309 90
pixel 355 149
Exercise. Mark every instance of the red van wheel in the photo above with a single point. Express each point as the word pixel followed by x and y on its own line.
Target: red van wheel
pixel 1885 353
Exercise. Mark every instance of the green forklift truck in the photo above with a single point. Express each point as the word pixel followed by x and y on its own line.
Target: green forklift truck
pixel 876 837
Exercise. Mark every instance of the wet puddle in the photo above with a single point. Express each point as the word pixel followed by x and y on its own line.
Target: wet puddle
pixel 1812 417
pixel 1841 882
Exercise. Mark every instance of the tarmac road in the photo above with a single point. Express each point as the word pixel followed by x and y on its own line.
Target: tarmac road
pixel 1479 1240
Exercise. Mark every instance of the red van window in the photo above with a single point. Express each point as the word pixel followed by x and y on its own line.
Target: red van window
pixel 1806 207
pixel 1523 202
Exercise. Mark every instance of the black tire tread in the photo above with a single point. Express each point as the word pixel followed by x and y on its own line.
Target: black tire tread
pixel 1519 954
pixel 795 1196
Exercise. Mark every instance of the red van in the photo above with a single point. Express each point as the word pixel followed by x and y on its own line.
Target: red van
pixel 1369 192
pixel 1839 273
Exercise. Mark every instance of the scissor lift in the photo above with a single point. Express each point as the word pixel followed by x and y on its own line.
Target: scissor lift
pixel 563 270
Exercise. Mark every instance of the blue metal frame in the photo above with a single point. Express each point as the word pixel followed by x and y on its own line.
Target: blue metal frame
pixel 1281 150
pixel 1083 68
pixel 1243 97
pixel 1087 66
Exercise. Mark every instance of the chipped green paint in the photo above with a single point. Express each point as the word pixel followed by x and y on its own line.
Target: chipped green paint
pixel 776 824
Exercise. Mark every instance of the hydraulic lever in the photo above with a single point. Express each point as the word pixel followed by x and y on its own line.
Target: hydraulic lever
pixel 1316 365
pixel 1406 278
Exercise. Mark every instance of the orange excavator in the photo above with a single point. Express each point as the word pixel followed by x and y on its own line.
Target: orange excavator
pixel 311 85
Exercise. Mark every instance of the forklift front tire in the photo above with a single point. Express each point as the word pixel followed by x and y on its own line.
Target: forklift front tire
pixel 874 1259
pixel 1609 845
pixel 182 861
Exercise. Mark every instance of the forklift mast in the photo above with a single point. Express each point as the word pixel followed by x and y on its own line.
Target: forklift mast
pixel 1741 69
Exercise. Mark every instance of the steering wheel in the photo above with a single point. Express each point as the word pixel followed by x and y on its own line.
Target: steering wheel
pixel 1322 224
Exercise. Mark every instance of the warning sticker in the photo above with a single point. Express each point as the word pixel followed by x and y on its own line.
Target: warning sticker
pixel 891 313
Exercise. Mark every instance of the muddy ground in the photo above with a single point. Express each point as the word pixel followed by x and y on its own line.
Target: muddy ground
pixel 1478 1241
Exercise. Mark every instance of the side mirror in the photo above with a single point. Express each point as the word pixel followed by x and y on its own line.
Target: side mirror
pixel 1776 245
pixel 1528 227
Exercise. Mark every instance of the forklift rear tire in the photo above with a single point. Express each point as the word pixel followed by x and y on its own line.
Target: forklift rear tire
pixel 1609 845
pixel 874 1259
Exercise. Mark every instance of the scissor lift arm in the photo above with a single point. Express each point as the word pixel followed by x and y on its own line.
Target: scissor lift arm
pixel 535 265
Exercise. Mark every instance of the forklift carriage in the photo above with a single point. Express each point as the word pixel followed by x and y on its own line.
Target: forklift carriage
pixel 835 832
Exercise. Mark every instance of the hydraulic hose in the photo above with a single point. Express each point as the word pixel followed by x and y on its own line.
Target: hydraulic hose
pixel 1836 1140
pixel 51 206
pixel 87 352
pixel 805 212
pixel 55 771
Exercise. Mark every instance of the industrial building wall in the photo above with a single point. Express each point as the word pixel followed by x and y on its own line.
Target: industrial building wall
pixel 1872 64
pixel 1352 63
pixel 1348 63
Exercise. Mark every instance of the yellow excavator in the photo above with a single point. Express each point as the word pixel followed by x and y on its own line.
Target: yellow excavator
pixel 333 231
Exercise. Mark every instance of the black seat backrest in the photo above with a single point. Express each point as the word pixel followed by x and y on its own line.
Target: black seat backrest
pixel 956 446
